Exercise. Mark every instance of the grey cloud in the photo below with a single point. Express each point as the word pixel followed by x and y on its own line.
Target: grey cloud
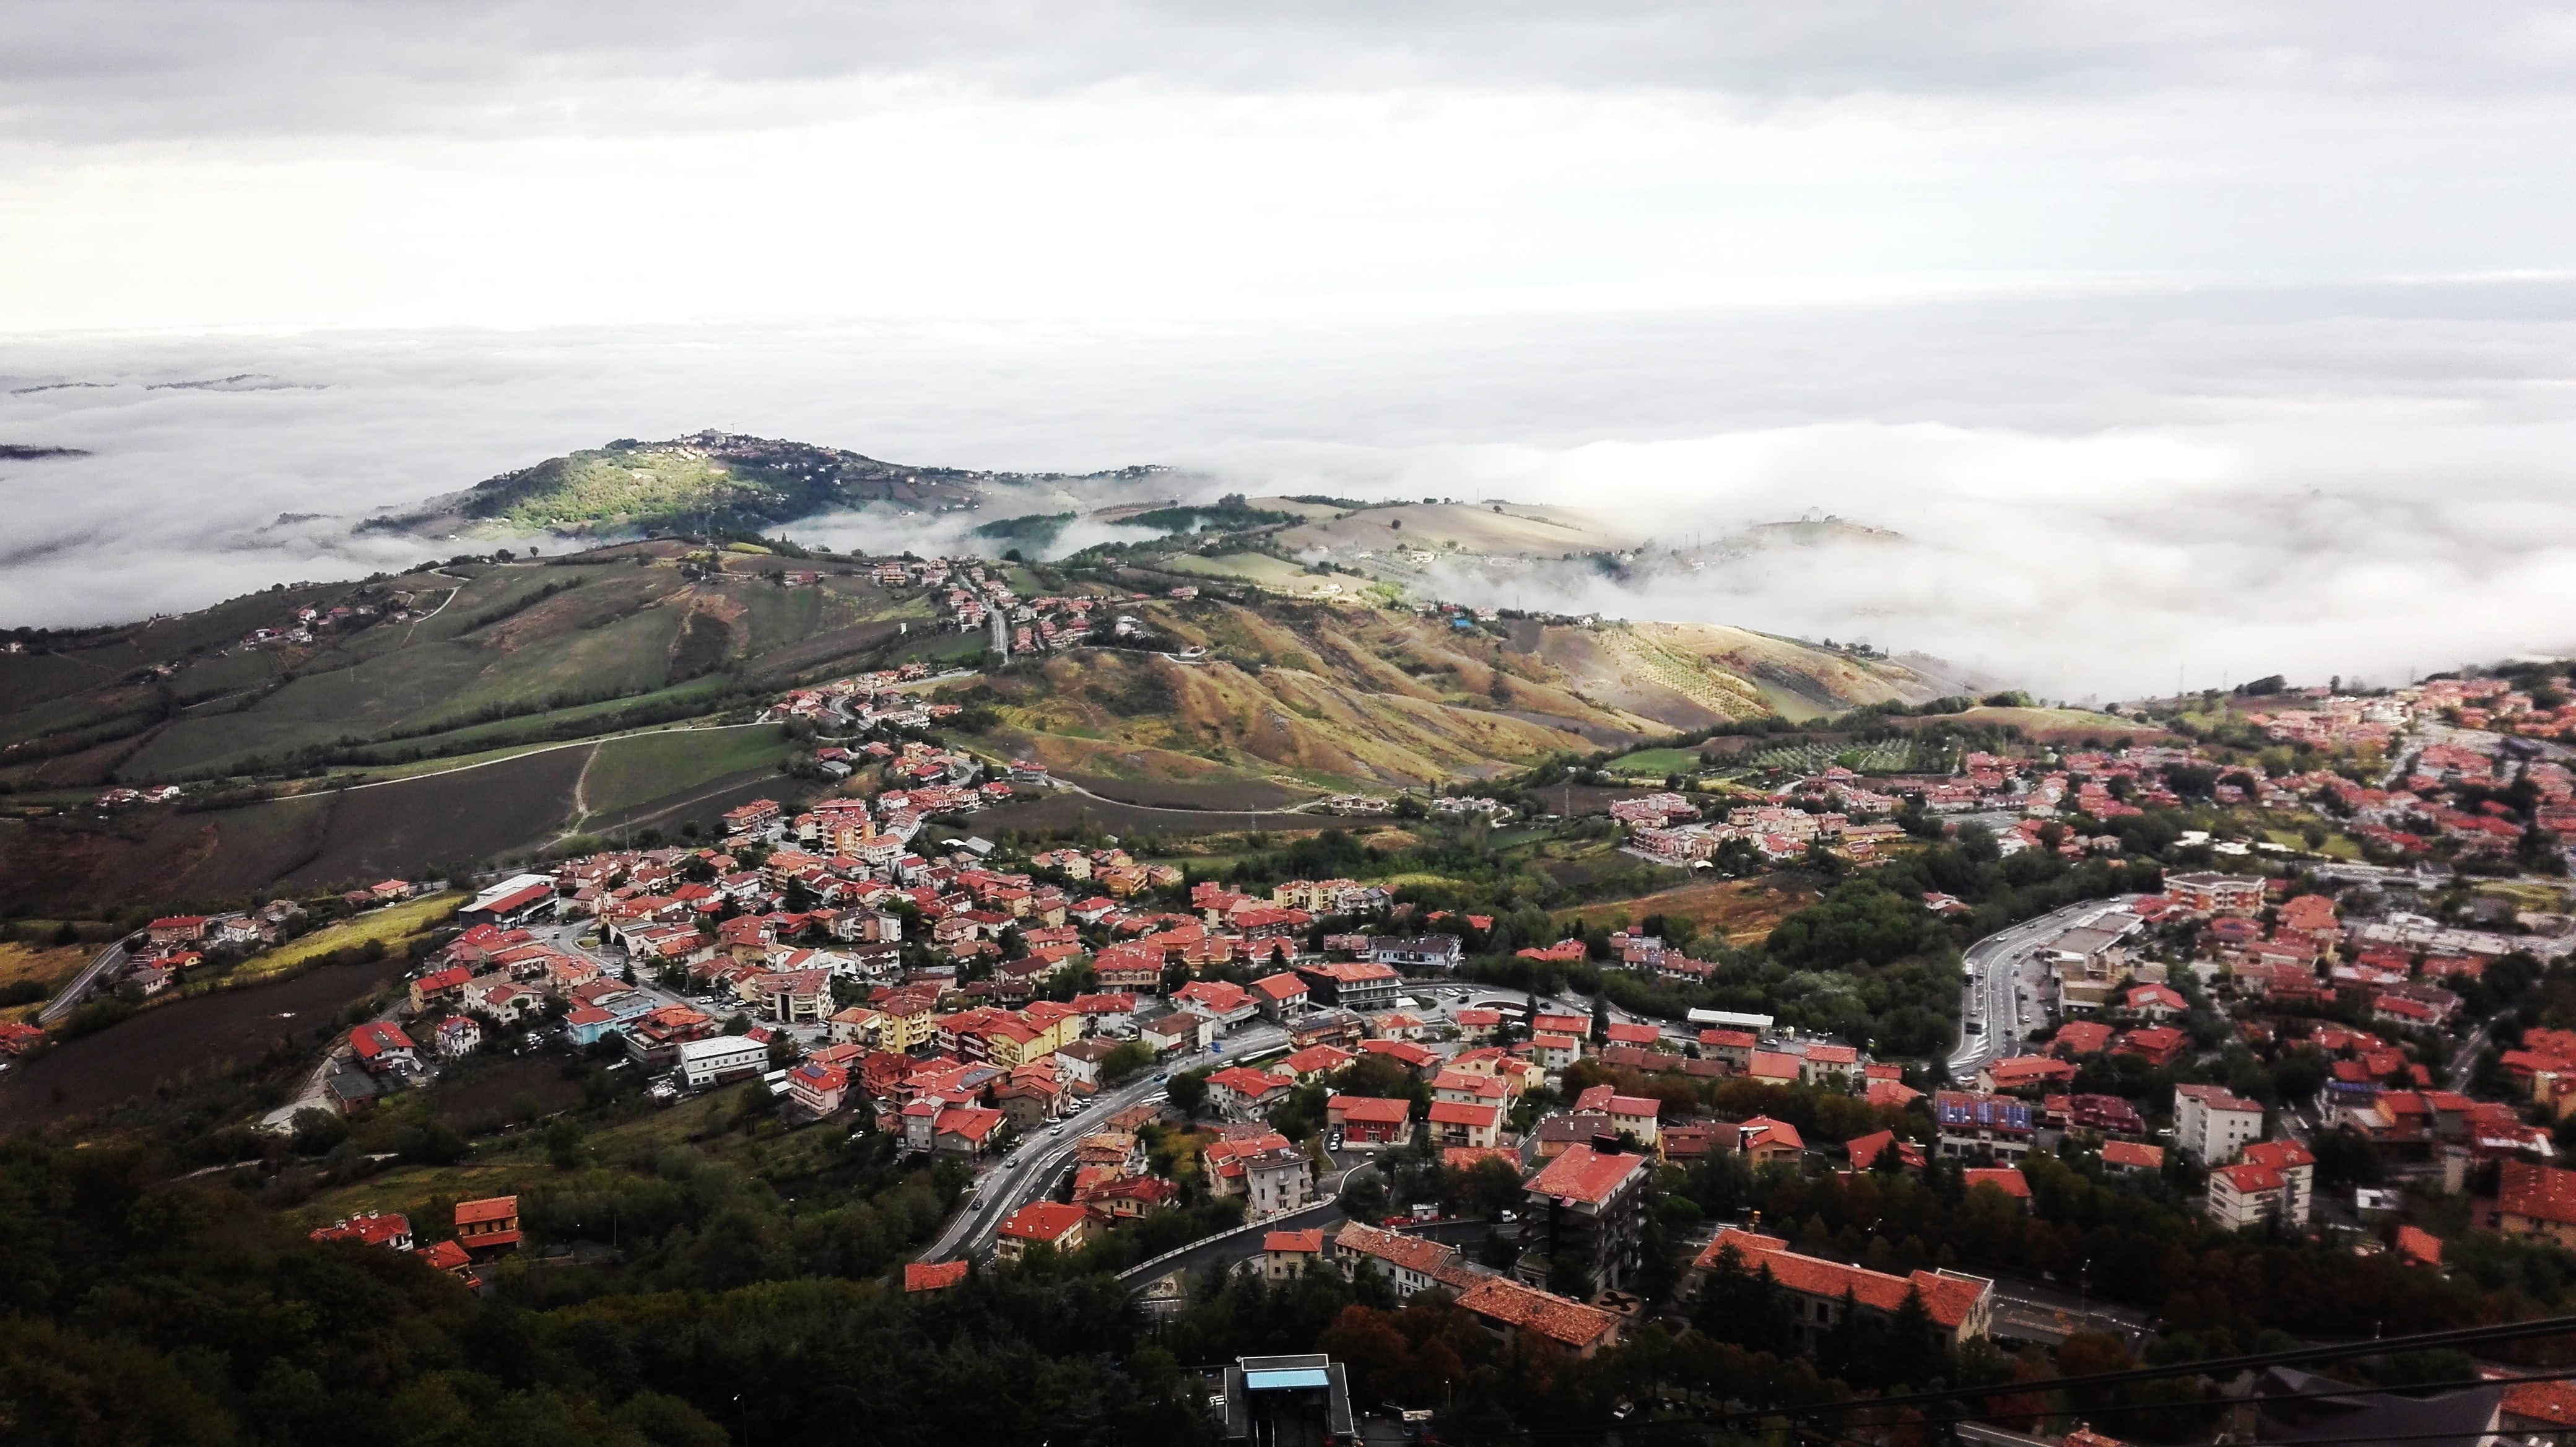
pixel 154 68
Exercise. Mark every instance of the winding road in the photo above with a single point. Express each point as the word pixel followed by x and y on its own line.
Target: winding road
pixel 1998 966
pixel 1029 1173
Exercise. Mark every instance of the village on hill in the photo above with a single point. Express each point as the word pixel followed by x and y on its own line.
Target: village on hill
pixel 2287 971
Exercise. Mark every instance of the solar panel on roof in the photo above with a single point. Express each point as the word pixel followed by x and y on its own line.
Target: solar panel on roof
pixel 1292 1377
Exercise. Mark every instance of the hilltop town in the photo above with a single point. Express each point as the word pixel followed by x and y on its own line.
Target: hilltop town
pixel 1889 1045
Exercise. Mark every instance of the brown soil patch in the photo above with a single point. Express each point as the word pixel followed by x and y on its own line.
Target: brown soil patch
pixel 1744 911
pixel 209 1034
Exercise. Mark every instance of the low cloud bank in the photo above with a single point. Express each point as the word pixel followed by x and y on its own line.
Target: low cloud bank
pixel 2092 492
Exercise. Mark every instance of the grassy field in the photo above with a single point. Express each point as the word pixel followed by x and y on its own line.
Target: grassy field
pixel 636 770
pixel 42 965
pixel 395 926
pixel 1656 763
pixel 1259 569
pixel 1744 911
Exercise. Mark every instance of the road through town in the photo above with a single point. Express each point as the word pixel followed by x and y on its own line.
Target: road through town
pixel 1999 966
pixel 1029 1173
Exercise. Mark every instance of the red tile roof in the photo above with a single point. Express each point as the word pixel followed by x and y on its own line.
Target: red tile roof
pixel 2551 1402
pixel 2420 1246
pixel 1456 1112
pixel 1375 1109
pixel 1412 1253
pixel 2007 1179
pixel 491 1208
pixel 2539 1192
pixel 1559 1319
pixel 1302 1241
pixel 1581 1173
pixel 932 1275
pixel 2130 1153
pixel 1948 1299
pixel 1044 1221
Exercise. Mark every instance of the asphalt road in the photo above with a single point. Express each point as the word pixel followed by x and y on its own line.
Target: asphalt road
pixel 1998 967
pixel 108 961
pixel 1030 1172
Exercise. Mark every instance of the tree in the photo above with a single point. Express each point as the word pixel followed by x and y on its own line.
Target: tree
pixel 1189 1091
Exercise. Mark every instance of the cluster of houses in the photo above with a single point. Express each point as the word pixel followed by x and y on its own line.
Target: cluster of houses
pixel 484 1231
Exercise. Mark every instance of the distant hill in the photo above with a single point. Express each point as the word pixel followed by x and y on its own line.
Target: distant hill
pixel 707 482
pixel 395 682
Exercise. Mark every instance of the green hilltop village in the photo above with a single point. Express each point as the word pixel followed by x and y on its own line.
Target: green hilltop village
pixel 642 980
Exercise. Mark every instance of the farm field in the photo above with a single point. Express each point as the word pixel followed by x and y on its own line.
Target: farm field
pixel 399 830
pixel 1656 763
pixel 627 773
pixel 206 1034
pixel 1744 911
pixel 42 967
pixel 392 926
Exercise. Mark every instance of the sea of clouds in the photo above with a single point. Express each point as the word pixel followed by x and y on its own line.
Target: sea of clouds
pixel 2101 492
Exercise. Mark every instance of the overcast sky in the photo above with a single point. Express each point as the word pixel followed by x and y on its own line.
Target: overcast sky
pixel 2249 303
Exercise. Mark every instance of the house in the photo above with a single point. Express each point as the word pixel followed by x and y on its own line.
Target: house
pixel 1404 1052
pixel 1228 1005
pixel 2213 1123
pixel 1455 1123
pixel 1969 1123
pixel 718 1058
pixel 2247 1194
pixel 1242 1093
pixel 1587 1206
pixel 1829 1064
pixel 964 1130
pixel 383 1049
pixel 1866 1151
pixel 933 1275
pixel 817 1089
pixel 1178 1033
pixel 1264 1167
pixel 1961 1307
pixel 2297 1169
pixel 2157 1002
pixel 1556 1052
pixel 2007 1179
pixel 2025 1072
pixel 457 1036
pixel 1637 1115
pixel 2534 1200
pixel 1511 1310
pixel 1281 996
pixel 449 1257
pixel 1416 953
pixel 2158 1045
pixel 1046 1223
pixel 1352 985
pixel 2131 1156
pixel 1314 1063
pixel 2207 893
pixel 389 1229
pixel 488 1226
pixel 439 987
pixel 1285 1254
pixel 1766 1140
pixel 2081 1037
pixel 1120 1197
pixel 1368 1119
pixel 1409 1263
pixel 1774 1067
